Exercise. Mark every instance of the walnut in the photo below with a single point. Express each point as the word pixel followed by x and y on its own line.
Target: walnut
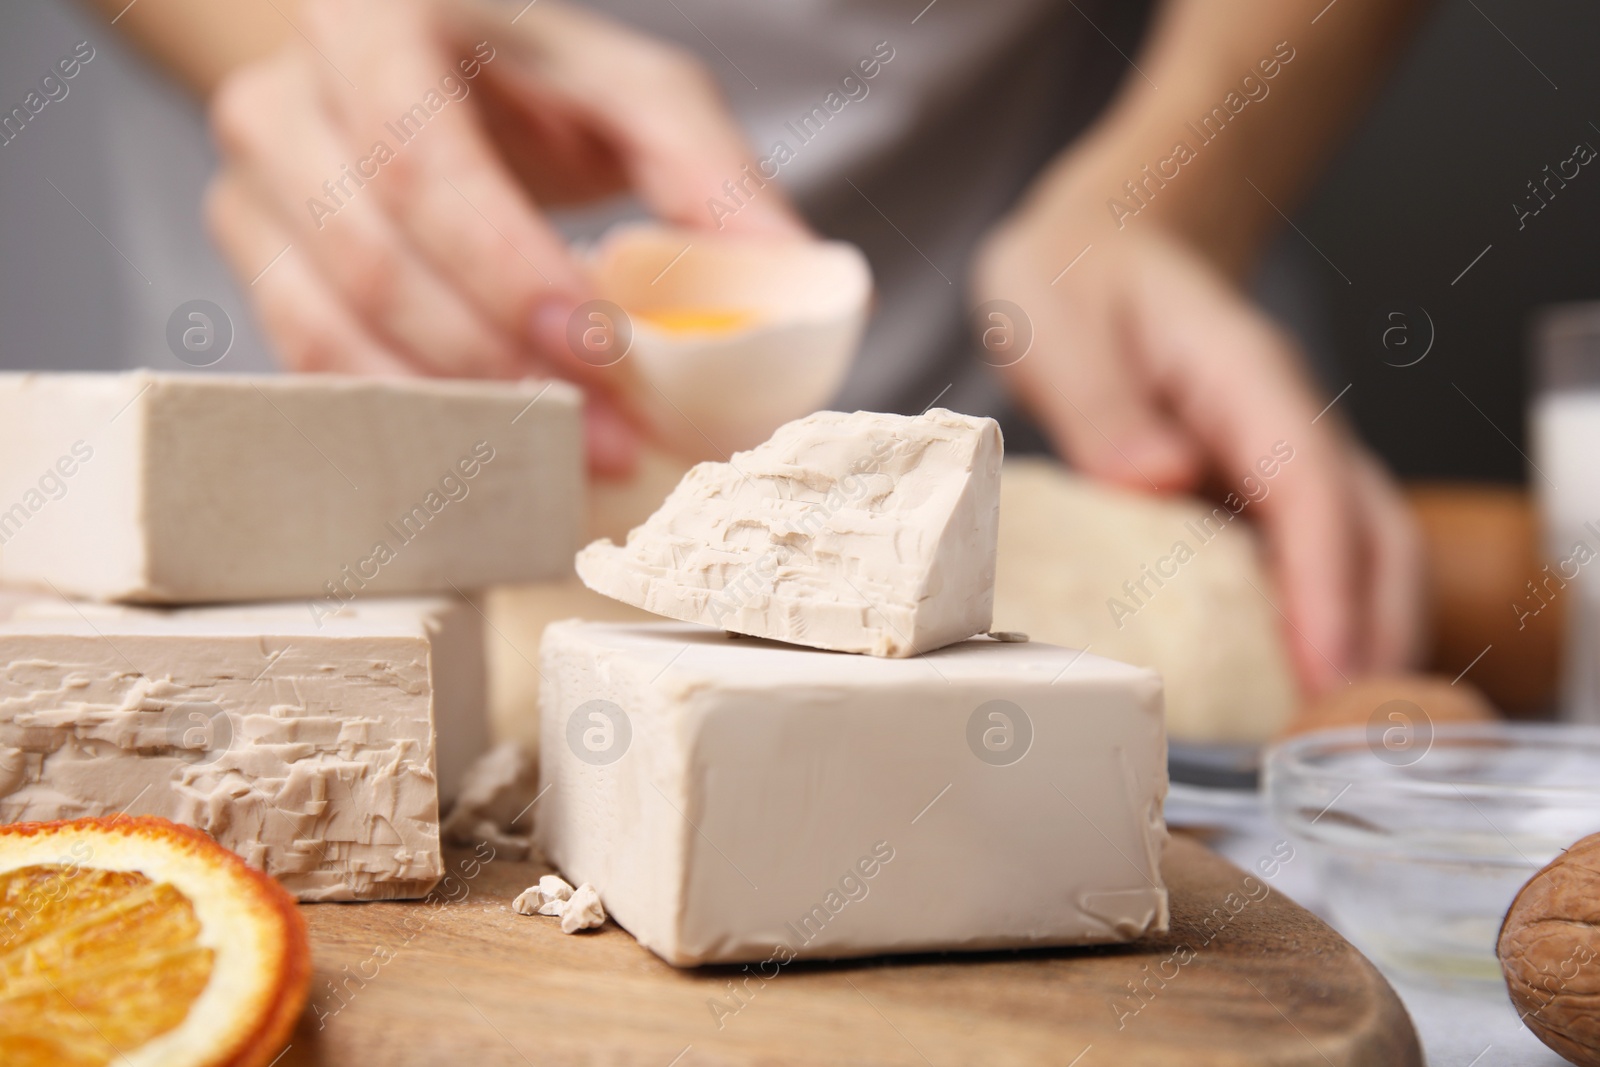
pixel 1549 949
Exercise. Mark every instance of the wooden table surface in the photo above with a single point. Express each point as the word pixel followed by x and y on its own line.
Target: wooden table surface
pixel 1245 978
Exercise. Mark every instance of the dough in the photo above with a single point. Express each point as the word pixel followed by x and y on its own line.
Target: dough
pixel 1068 545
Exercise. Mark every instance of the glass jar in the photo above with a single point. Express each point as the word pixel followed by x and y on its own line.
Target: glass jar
pixel 1566 459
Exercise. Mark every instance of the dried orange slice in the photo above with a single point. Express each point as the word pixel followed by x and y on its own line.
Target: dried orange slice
pixel 136 941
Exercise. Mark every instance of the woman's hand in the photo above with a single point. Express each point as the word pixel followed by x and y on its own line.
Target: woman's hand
pixel 1148 369
pixel 385 174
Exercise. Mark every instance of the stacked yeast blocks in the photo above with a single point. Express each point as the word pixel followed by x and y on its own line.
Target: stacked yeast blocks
pixel 824 758
pixel 237 603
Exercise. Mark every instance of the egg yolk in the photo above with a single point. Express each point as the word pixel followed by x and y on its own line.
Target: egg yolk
pixel 697 320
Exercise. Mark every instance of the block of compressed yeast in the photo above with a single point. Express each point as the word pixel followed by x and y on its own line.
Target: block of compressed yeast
pixel 737 800
pixel 184 489
pixel 307 746
pixel 858 533
pixel 457 653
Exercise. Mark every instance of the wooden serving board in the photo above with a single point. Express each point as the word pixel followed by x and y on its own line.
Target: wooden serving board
pixel 1239 982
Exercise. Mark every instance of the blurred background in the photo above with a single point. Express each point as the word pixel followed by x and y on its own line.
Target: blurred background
pixel 1476 110
pixel 1488 95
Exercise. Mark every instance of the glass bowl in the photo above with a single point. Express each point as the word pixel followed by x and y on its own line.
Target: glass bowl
pixel 1420 847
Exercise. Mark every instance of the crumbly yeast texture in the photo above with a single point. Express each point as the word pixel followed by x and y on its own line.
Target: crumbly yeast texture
pixel 857 532
pixel 307 748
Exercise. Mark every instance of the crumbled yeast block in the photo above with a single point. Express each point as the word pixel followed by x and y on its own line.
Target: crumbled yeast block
pixel 550 897
pixel 168 488
pixel 528 901
pixel 554 887
pixel 495 804
pixel 308 747
pixel 583 911
pixel 457 660
pixel 858 533
pixel 750 800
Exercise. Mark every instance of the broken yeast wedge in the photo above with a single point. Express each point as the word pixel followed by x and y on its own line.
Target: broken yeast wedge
pixel 856 532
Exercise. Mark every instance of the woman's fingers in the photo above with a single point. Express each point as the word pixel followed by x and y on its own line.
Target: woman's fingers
pixel 1236 384
pixel 281 142
pixel 610 438
pixel 1315 548
pixel 416 120
pixel 1098 406
pixel 680 147
pixel 360 163
pixel 1396 578
pixel 1103 418
pixel 310 328
pixel 313 331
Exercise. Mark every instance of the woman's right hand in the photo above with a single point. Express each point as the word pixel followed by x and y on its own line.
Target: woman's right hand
pixel 384 172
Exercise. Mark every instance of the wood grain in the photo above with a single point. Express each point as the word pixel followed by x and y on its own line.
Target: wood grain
pixel 1252 982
